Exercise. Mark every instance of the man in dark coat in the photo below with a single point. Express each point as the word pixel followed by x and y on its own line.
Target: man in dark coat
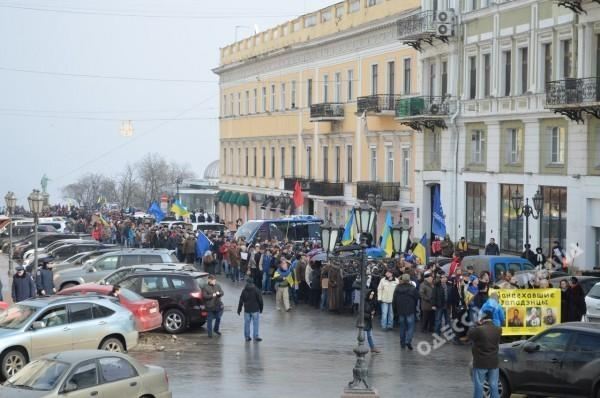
pixel 441 296
pixel 486 344
pixel 44 280
pixel 492 248
pixel 212 294
pixel 23 286
pixel 252 301
pixel 404 304
pixel 576 307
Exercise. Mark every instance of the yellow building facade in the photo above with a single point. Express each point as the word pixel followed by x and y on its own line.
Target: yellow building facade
pixel 314 100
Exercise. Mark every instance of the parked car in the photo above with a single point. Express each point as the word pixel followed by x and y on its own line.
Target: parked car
pixel 174 224
pixel 44 239
pixel 81 258
pixel 54 245
pixel 592 302
pixel 179 296
pixel 107 263
pixel 291 228
pixel 209 227
pixel 117 276
pixel 586 282
pixel 60 225
pixel 496 265
pixel 21 231
pixel 562 361
pixel 146 312
pixel 67 250
pixel 87 373
pixel 36 327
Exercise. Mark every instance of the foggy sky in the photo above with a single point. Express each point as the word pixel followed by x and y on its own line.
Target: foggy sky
pixel 50 124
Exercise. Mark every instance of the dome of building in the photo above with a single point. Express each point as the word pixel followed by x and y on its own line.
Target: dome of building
pixel 212 171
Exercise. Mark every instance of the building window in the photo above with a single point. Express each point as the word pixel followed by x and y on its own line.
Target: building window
pixel 507 62
pixel 567 56
pixel 225 160
pixel 432 151
pixel 511 226
pixel 524 71
pixel 349 163
pixel 444 78
pixel 293 99
pixel 472 77
pixel 557 145
pixel 374 78
pixel 282 173
pixel 309 92
pixel 239 103
pixel 325 163
pixel 475 220
pixel 487 75
pixel 282 97
pixel 389 170
pixel 391 69
pixel 373 164
pixel 337 93
pixel 477 146
pixel 224 106
pixel 264 161
pixel 231 109
pixel 255 110
pixel 326 15
pixel 247 104
pixel 432 79
pixel 339 11
pixel 554 217
pixel 255 163
pixel 325 88
pixel 474 4
pixel 308 162
pixel 405 166
pixel 231 161
pixel 547 63
pixel 371 3
pixel 247 162
pixel 272 98
pixel 350 85
pixel 239 161
pixel 407 76
pixel 338 162
pixel 310 20
pixel 264 99
pixel 596 145
pixel 293 162
pixel 354 6
pixel 513 146
pixel 272 162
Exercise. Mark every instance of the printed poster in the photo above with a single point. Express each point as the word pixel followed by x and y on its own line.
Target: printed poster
pixel 529 311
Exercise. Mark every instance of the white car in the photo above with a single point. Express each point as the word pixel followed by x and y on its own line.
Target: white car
pixel 592 302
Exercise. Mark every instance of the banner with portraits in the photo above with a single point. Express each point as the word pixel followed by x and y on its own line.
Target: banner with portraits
pixel 529 311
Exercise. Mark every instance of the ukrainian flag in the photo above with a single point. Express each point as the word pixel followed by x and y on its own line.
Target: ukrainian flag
pixel 348 236
pixel 419 250
pixel 386 236
pixel 179 209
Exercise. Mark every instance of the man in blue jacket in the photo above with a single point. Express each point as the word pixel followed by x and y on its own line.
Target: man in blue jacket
pixel 493 306
pixel 23 286
pixel 44 280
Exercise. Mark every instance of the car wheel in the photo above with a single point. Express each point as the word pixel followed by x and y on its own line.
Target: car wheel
pixel 112 344
pixel 12 361
pixel 503 389
pixel 174 321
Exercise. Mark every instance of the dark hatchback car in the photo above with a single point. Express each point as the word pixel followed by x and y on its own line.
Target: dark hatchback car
pixel 179 296
pixel 562 361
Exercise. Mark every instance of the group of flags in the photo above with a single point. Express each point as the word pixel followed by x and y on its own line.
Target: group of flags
pixel 177 208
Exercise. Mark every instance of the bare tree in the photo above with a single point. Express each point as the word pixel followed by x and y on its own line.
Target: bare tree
pixel 128 187
pixel 90 189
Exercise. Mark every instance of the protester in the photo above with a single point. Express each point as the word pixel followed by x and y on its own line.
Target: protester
pixel 23 286
pixel 265 264
pixel 385 295
pixel 492 305
pixel 283 278
pixel 405 308
pixel 440 303
pixel 370 310
pixel 252 302
pixel 576 306
pixel 492 249
pixel 212 294
pixel 426 295
pixel 485 340
pixel 462 247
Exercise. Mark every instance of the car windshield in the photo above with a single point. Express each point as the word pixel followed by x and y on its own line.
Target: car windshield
pixel 74 258
pixel 16 316
pixel 43 374
pixel 247 230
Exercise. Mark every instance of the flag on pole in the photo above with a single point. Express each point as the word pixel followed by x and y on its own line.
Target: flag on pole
pixel 298 196
pixel 202 244
pixel 179 209
pixel 438 226
pixel 156 211
pixel 348 236
pixel 419 250
pixel 386 236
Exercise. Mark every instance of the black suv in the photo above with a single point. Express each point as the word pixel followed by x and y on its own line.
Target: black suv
pixel 562 361
pixel 179 296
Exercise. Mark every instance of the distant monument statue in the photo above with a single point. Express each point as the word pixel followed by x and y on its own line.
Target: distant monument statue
pixel 44 183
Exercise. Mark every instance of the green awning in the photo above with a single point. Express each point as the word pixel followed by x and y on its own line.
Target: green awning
pixel 234 198
pixel 225 197
pixel 219 196
pixel 243 200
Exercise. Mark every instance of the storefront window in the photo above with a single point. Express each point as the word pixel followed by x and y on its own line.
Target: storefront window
pixel 476 195
pixel 511 226
pixel 554 217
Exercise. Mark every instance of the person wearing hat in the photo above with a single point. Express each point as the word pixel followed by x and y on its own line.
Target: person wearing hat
pixel 23 286
pixel 485 338
pixel 212 294
pixel 405 301
pixel 426 294
pixel 44 280
pixel 385 295
pixel 252 302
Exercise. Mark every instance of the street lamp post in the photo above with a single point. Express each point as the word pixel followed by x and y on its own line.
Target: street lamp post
pixel 527 211
pixel 36 203
pixel 329 236
pixel 11 202
pixel 399 238
pixel 375 202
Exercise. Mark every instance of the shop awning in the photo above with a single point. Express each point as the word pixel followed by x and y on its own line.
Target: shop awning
pixel 233 199
pixel 243 200
pixel 225 197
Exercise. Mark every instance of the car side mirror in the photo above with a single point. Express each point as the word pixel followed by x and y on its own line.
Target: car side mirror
pixel 38 325
pixel 70 386
pixel 531 347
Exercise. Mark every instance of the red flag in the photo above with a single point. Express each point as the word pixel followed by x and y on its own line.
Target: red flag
pixel 298 197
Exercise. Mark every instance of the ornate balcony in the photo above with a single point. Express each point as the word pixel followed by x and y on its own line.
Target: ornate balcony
pixel 572 97
pixel 379 103
pixel 574 5
pixel 326 112
pixel 426 112
pixel 290 182
pixel 389 191
pixel 326 188
pixel 426 26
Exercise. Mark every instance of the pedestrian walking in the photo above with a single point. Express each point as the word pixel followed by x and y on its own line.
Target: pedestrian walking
pixel 44 280
pixel 385 295
pixel 576 306
pixel 370 310
pixel 485 339
pixel 283 278
pixel 405 307
pixel 426 295
pixel 23 286
pixel 265 264
pixel 252 302
pixel 209 262
pixel 441 293
pixel 212 294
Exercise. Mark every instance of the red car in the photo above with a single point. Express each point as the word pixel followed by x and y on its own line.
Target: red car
pixel 145 311
pixel 3 305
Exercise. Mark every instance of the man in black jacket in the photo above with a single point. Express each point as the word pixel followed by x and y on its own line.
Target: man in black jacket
pixel 251 300
pixel 23 286
pixel 486 344
pixel 492 248
pixel 404 304
pixel 441 296
pixel 212 294
pixel 44 280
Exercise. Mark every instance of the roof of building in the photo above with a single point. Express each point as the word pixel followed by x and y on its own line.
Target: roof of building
pixel 212 171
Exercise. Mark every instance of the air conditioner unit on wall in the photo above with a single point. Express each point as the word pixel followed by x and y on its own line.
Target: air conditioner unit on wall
pixel 443 29
pixel 443 17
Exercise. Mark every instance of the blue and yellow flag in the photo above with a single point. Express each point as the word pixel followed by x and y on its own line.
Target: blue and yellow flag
pixel 386 236
pixel 419 250
pixel 179 209
pixel 348 236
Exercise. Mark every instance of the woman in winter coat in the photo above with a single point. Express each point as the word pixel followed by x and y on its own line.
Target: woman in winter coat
pixel 370 309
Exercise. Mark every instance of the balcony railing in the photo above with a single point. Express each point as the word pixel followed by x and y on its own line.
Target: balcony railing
pixel 289 183
pixel 424 111
pixel 389 191
pixel 377 103
pixel 425 26
pixel 571 97
pixel 326 188
pixel 327 111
